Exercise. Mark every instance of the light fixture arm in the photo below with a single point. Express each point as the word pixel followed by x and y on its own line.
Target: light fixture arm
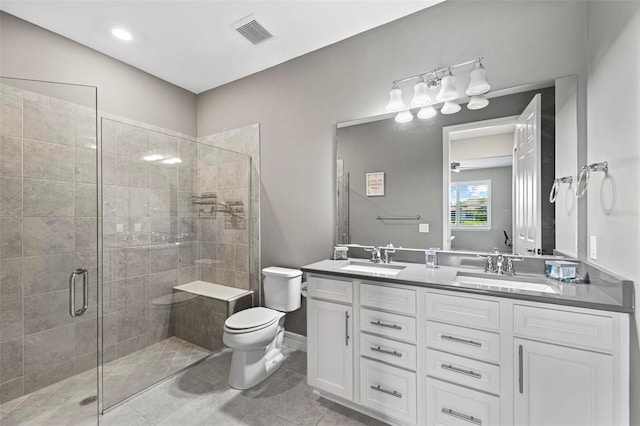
pixel 440 70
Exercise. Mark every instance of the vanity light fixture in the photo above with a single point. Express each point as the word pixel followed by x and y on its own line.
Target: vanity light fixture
pixel 478 102
pixel 427 112
pixel 395 98
pixel 421 93
pixel 448 91
pixel 478 83
pixel 444 82
pixel 404 116
pixel 122 34
pixel 450 107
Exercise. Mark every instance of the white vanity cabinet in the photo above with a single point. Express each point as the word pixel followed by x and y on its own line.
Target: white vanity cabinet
pixel 463 354
pixel 388 353
pixel 569 367
pixel 330 336
pixel 412 355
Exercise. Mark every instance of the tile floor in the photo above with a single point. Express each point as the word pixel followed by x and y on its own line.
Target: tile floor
pixel 59 404
pixel 198 396
pixel 201 396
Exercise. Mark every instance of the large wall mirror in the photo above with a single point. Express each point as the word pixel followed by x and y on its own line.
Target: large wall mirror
pixel 471 181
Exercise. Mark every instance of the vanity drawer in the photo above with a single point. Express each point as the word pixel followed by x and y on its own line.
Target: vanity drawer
pixel 567 328
pixel 389 390
pixel 449 405
pixel 390 325
pixel 464 341
pixel 464 311
pixel 463 371
pixel 388 298
pixel 330 289
pixel 401 354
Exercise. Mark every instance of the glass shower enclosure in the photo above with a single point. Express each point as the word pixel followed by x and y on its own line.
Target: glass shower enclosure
pixel 49 253
pixel 100 219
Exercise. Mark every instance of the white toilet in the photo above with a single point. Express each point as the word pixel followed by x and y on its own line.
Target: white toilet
pixel 256 334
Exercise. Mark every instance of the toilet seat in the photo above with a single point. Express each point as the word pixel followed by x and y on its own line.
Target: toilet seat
pixel 250 320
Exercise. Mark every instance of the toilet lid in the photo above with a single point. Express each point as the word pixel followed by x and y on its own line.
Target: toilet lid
pixel 251 318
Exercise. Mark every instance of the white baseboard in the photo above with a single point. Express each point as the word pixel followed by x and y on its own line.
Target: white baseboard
pixel 295 341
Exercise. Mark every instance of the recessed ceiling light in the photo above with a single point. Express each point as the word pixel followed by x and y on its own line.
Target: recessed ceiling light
pixel 122 34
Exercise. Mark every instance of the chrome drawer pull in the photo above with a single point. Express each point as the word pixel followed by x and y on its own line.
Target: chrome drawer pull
pixel 520 370
pixel 457 340
pixel 388 392
pixel 452 413
pixel 346 328
pixel 461 371
pixel 386 351
pixel 382 324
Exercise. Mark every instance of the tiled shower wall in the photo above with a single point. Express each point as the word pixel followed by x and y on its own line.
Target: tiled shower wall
pixel 150 237
pixel 244 140
pixel 47 228
pixel 223 220
pixel 156 237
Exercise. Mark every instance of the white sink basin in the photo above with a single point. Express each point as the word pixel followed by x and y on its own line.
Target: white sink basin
pixel 373 268
pixel 506 283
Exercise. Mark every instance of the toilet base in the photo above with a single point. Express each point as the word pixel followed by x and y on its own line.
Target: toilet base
pixel 248 368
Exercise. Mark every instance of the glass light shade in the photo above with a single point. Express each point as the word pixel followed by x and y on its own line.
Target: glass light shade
pixel 478 102
pixel 448 90
pixel 421 94
pixel 427 112
pixel 478 84
pixel 395 99
pixel 450 107
pixel 404 117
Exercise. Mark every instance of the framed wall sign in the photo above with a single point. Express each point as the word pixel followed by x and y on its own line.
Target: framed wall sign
pixel 375 184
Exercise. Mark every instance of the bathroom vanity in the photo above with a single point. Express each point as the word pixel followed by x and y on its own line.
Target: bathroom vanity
pixel 412 345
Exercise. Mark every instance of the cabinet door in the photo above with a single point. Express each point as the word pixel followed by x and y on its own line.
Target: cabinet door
pixel 330 347
pixel 556 385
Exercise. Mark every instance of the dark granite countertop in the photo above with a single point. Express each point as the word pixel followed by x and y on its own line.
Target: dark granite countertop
pixel 600 293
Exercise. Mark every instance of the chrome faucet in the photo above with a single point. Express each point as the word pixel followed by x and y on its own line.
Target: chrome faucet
pixel 509 269
pixel 501 265
pixel 389 249
pixel 375 254
pixel 488 267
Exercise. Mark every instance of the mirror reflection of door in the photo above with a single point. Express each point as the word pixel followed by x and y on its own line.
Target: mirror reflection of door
pixel 526 181
pixel 495 183
pixel 480 185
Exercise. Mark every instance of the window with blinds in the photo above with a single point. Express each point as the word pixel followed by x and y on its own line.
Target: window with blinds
pixel 470 205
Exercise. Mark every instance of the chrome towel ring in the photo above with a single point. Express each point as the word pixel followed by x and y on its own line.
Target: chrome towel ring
pixel 583 179
pixel 553 195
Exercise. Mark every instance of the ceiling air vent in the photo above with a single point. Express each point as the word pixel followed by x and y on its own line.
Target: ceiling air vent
pixel 251 29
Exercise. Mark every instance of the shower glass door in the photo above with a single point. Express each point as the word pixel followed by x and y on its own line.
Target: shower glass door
pixel 50 253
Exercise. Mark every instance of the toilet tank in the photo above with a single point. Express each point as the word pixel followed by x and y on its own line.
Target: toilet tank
pixel 282 288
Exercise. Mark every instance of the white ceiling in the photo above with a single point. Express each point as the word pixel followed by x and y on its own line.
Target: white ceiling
pixel 191 43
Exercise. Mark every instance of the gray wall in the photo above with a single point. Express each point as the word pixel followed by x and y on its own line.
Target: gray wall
pixel 31 52
pixel 613 35
pixel 299 102
pixel 501 211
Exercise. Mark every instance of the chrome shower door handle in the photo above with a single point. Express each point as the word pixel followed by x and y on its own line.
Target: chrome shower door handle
pixel 72 292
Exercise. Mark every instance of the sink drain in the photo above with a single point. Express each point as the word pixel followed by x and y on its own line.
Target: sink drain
pixel 89 400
